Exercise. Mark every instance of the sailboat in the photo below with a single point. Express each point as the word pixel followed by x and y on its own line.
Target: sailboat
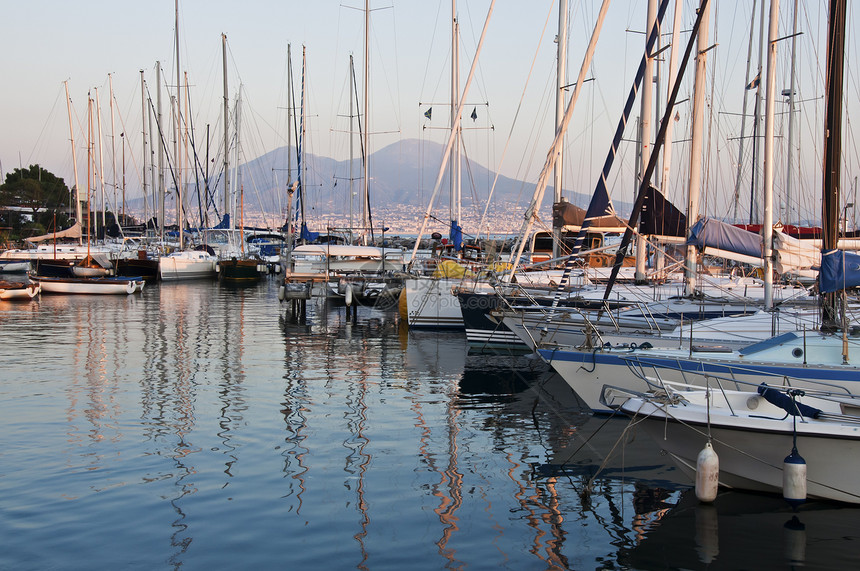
pixel 428 299
pixel 801 358
pixel 98 282
pixel 235 266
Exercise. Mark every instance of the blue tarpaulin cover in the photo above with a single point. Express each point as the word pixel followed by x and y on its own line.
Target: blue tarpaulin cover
pixel 839 270
pixel 716 234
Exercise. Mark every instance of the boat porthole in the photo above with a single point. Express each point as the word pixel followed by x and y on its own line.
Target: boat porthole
pixel 797 352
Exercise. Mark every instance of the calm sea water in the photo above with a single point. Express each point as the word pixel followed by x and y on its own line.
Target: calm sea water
pixel 200 427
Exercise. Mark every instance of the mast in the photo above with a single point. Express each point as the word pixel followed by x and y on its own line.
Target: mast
pixel 454 206
pixel 160 124
pixel 787 216
pixel 531 211
pixel 365 133
pixel 645 132
pixel 767 221
pixel 89 166
pixel 832 148
pixel 290 109
pixel 239 173
pixel 143 124
pixel 559 115
pixel 78 213
pixel 742 138
pixel 180 195
pixel 351 91
pixel 101 157
pixel 227 125
pixel 690 260
pixel 301 165
pixel 447 152
pixel 113 146
pixel 756 144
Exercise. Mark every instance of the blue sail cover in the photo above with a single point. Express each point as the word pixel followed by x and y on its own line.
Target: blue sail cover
pixel 456 235
pixel 710 232
pixel 839 270
pixel 225 222
pixel 307 234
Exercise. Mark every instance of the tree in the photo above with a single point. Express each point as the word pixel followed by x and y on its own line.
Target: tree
pixel 34 200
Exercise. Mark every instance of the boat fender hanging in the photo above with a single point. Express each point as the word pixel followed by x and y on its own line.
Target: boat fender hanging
pixel 348 295
pixel 778 398
pixel 282 293
pixel 794 478
pixel 707 474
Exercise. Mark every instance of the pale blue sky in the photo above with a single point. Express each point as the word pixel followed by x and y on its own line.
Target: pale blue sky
pixel 46 42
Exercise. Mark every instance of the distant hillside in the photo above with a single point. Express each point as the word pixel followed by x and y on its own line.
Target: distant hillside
pixel 402 174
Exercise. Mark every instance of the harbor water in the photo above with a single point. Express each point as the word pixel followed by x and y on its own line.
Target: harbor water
pixel 198 426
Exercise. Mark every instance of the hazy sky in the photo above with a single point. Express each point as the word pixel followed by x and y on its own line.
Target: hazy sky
pixel 45 43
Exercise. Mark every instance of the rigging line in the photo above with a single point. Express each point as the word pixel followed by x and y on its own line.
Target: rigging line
pixel 516 116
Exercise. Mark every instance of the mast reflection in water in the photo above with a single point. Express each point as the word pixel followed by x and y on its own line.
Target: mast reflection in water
pixel 198 426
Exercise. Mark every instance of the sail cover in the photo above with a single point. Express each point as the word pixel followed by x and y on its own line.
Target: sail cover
pixel 74 231
pixel 712 233
pixel 660 217
pixel 839 270
pixel 792 254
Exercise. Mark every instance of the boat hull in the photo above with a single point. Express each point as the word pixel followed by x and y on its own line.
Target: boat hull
pixel 98 286
pixel 187 266
pixel 811 361
pixel 431 303
pixel 752 445
pixel 19 291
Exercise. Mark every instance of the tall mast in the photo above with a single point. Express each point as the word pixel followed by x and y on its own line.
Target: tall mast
pixel 180 197
pixel 161 142
pixel 446 154
pixel 559 114
pixel 645 131
pixel 78 213
pixel 787 216
pixel 289 117
pixel 365 133
pixel 351 121
pixel 742 138
pixel 302 167
pixel 696 144
pixel 143 117
pixel 455 116
pixel 89 166
pixel 767 220
pixel 832 147
pixel 239 186
pixel 226 126
pixel 754 211
pixel 101 158
pixel 113 146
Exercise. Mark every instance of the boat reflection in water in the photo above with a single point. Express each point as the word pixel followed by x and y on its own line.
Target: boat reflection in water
pixel 745 530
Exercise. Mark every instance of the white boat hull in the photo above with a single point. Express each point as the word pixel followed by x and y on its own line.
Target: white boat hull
pixel 801 359
pixel 27 292
pixel 100 286
pixel 752 440
pixel 190 265
pixel 431 303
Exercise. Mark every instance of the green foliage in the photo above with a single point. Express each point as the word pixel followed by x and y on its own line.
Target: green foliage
pixel 33 200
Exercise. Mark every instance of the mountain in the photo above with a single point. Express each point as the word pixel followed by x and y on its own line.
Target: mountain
pixel 403 174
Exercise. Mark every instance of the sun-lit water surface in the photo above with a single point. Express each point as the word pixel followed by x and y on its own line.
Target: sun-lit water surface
pixel 200 427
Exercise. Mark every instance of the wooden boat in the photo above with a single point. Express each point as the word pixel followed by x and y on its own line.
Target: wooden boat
pixel 103 285
pixel 240 271
pixel 18 290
